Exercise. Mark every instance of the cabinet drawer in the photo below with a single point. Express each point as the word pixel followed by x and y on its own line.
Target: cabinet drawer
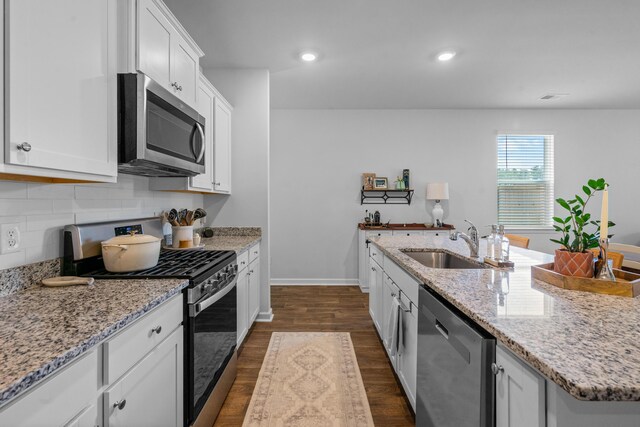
pixel 437 233
pixel 59 399
pixel 376 254
pixel 408 233
pixel 378 233
pixel 254 252
pixel 128 347
pixel 243 260
pixel 405 282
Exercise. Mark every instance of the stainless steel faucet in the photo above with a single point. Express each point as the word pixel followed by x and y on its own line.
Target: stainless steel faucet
pixel 472 239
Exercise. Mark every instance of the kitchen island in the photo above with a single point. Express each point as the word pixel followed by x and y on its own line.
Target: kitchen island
pixel 587 346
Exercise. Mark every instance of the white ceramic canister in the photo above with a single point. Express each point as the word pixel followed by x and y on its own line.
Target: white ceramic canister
pixel 183 236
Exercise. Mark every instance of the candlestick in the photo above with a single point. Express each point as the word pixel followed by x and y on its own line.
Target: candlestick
pixel 604 214
pixel 605 273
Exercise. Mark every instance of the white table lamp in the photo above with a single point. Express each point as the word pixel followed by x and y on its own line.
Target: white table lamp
pixel 437 191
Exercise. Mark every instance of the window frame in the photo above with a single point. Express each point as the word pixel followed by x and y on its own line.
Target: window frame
pixel 549 142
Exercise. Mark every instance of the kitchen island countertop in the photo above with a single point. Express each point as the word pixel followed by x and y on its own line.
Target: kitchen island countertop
pixel 43 329
pixel 588 344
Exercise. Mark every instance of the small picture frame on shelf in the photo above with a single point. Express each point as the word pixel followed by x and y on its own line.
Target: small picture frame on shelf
pixel 367 181
pixel 380 183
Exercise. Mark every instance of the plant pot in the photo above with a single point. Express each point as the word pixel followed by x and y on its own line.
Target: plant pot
pixel 577 264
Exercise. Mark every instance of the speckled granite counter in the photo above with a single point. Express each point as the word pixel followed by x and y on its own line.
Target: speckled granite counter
pixel 588 344
pixel 232 238
pixel 43 329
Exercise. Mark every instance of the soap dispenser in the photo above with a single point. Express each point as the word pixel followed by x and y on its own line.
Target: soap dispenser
pixel 503 245
pixel 491 242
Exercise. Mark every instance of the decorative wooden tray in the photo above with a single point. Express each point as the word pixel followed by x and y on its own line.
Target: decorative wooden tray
pixel 627 284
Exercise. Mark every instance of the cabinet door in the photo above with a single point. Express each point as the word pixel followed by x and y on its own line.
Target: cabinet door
pixel 222 142
pixel 185 71
pixel 389 294
pixel 373 294
pixel 150 394
pixel 87 418
pixel 520 393
pixel 206 102
pixel 155 42
pixel 407 361
pixel 61 96
pixel 243 304
pixel 254 290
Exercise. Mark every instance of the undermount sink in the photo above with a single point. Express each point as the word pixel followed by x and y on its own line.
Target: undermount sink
pixel 438 259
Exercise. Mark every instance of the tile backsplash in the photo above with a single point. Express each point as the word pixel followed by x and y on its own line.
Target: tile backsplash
pixel 42 210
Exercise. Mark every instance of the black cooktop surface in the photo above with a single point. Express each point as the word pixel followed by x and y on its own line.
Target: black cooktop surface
pixel 172 263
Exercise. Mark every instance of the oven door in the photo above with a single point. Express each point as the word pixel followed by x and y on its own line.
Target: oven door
pixel 211 339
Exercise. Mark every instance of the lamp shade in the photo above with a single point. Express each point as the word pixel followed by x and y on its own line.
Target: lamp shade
pixel 438 191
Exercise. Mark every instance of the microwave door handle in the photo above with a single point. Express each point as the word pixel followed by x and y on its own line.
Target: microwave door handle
pixel 201 131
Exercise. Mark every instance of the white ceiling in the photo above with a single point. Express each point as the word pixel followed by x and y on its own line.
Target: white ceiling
pixel 381 53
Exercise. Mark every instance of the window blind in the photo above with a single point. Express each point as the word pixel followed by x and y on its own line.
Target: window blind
pixel 525 180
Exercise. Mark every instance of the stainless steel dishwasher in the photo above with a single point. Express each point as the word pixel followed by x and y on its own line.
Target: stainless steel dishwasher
pixel 455 386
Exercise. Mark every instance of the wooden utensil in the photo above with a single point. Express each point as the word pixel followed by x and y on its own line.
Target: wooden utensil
pixel 189 218
pixel 173 217
pixel 60 281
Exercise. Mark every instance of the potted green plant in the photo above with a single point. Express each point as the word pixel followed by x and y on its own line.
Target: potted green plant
pixel 574 258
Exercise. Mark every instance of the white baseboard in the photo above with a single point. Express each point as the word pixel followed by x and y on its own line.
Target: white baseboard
pixel 314 282
pixel 265 316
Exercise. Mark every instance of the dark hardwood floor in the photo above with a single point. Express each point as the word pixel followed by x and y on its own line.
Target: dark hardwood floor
pixel 321 308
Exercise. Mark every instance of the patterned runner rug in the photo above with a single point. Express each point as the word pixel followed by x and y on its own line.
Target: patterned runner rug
pixel 309 379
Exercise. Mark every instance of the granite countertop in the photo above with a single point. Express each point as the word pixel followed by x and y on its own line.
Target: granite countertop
pixel 232 238
pixel 43 329
pixel 589 344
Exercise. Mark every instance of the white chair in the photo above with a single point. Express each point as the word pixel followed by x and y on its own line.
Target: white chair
pixel 627 249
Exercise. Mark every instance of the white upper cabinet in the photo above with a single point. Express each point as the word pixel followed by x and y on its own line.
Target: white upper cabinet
pixel 222 142
pixel 165 51
pixel 60 89
pixel 206 102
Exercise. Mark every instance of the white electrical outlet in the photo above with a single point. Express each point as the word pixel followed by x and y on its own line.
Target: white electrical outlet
pixel 9 238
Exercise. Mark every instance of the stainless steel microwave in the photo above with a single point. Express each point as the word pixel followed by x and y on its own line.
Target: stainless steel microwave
pixel 158 134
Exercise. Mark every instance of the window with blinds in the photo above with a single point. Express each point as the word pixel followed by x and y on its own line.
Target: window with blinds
pixel 525 180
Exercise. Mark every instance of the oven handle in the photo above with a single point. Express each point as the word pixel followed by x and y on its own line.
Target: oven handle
pixel 211 300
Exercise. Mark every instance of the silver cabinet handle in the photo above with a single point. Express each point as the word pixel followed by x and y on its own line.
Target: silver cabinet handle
pixel 175 85
pixel 157 330
pixel 373 269
pixel 216 183
pixel 203 141
pixel 242 263
pixel 255 252
pixel 496 369
pixel 250 271
pixel 25 146
pixel 120 404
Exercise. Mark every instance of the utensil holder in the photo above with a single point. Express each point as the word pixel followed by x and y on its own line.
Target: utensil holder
pixel 184 234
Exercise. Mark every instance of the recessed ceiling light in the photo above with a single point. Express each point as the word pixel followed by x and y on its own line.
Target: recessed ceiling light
pixel 308 56
pixel 446 56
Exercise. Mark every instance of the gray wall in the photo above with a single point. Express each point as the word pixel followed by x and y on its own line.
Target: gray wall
pixel 248 93
pixel 317 157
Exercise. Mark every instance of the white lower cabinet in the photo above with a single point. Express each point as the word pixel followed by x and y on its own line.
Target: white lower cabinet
pixel 243 304
pixel 407 367
pixel 384 290
pixel 248 285
pixel 140 369
pixel 520 393
pixel 150 394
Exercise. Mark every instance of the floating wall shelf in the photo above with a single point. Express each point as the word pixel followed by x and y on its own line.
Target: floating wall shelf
pixel 385 197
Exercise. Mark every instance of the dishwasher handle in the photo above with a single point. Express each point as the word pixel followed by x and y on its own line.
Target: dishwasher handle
pixel 443 331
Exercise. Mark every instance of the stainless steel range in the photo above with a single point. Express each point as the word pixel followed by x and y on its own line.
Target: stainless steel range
pixel 210 306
